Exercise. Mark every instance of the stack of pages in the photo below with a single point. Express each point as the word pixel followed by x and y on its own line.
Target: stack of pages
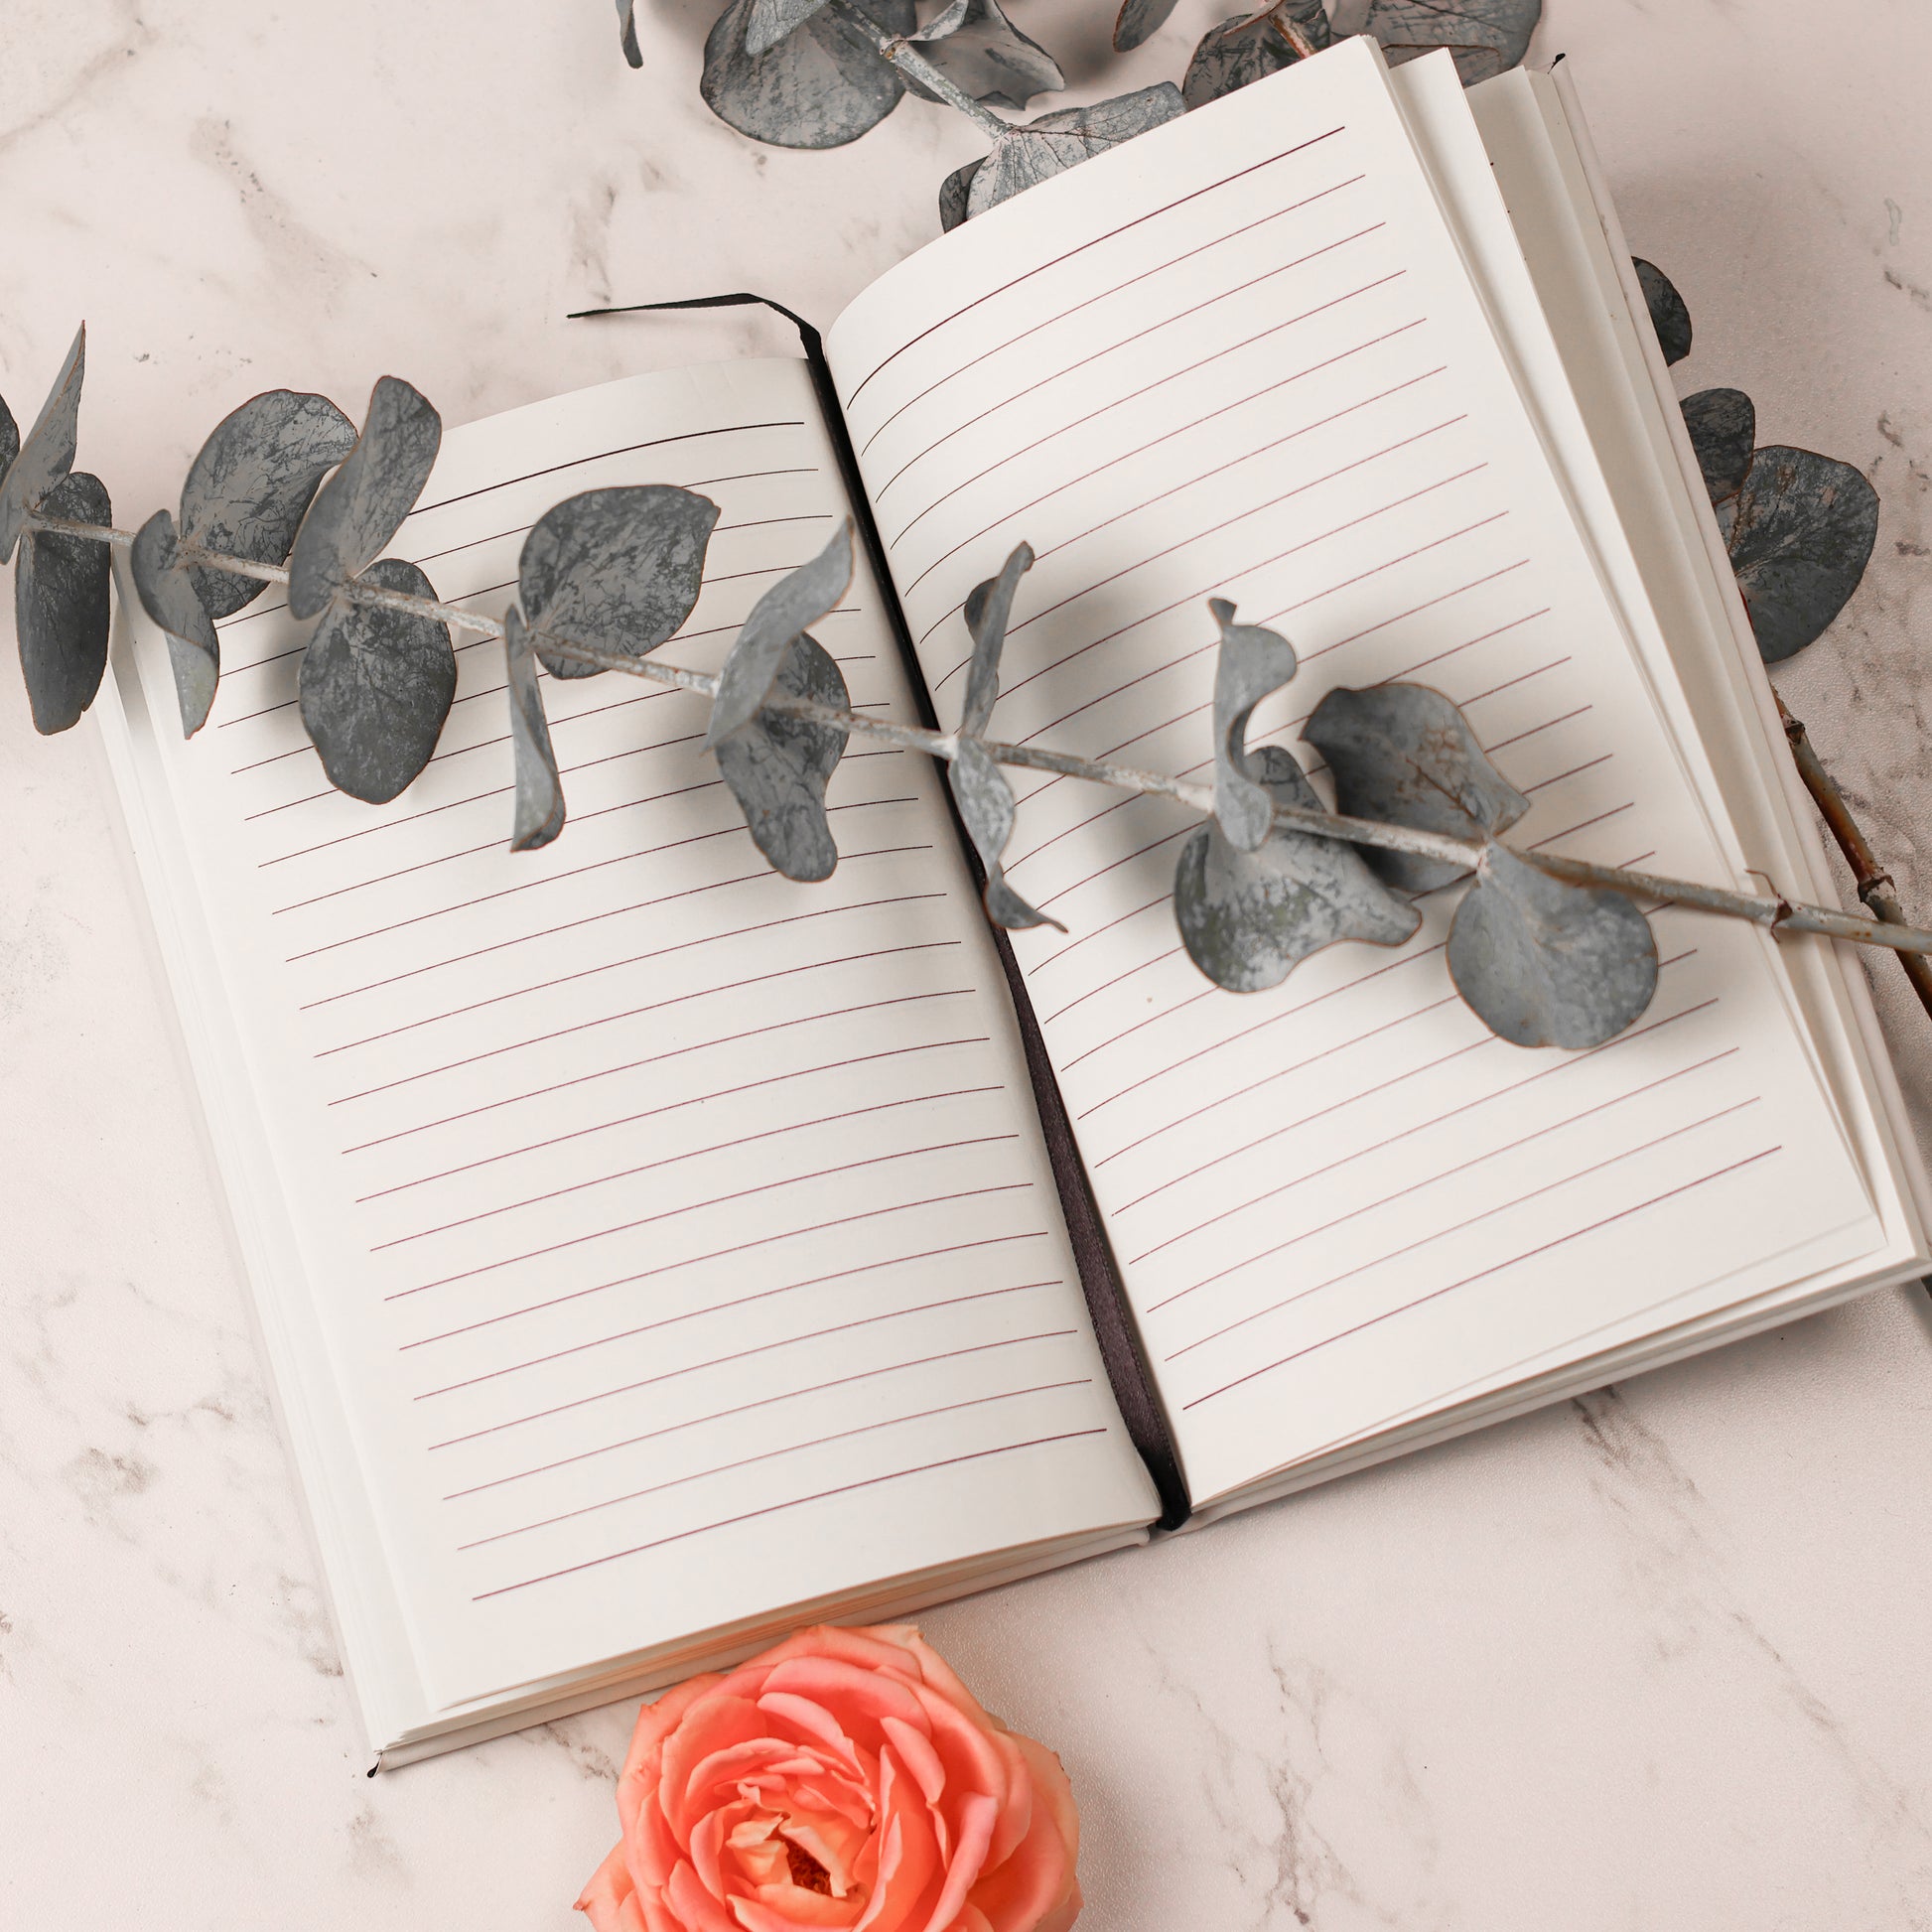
pixel 652 1254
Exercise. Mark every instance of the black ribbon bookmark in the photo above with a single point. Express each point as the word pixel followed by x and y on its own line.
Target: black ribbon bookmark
pixel 1120 1349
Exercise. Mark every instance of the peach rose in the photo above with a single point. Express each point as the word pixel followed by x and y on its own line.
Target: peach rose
pixel 847 1778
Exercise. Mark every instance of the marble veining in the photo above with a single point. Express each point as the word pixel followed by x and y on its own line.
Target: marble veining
pixel 1651 1659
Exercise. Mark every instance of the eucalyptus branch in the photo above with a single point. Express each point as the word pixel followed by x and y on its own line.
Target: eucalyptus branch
pixel 894 48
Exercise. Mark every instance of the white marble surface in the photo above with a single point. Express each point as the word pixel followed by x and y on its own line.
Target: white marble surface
pixel 1657 1659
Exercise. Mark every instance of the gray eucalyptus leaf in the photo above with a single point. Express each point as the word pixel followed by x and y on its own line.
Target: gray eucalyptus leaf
pixel 769 21
pixel 37 466
pixel 61 605
pixel 1029 155
pixel 1252 663
pixel 796 601
pixel 1404 754
pixel 627 33
pixel 376 686
pixel 250 487
pixel 1251 46
pixel 1485 37
pixel 953 193
pixel 615 569
pixel 1800 535
pixel 9 440
pixel 818 87
pixel 1543 963
pixel 1138 22
pixel 362 505
pixel 1724 427
pixel 777 766
pixel 985 801
pixel 1668 313
pixel 989 610
pixel 1248 918
pixel 165 587
pixel 977 47
pixel 539 790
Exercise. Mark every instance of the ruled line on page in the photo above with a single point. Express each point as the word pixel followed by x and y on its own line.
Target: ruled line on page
pixel 1547 1247
pixel 772 1509
pixel 767 1456
pixel 728 1360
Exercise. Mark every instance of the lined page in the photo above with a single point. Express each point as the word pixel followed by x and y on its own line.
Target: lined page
pixel 685 1236
pixel 1241 357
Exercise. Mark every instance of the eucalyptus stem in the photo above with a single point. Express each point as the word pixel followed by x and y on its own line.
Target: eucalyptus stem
pixel 1775 914
pixel 910 61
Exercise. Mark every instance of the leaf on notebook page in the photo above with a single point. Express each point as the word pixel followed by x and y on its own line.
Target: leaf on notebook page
pixel 627 33
pixel 165 587
pixel 1403 753
pixel 818 87
pixel 1543 963
pixel 769 21
pixel 1250 664
pixel 1138 22
pixel 985 802
pixel 60 607
pixel 376 685
pixel 9 440
pixel 615 569
pixel 250 487
pixel 1668 314
pixel 1248 918
pixel 777 766
pixel 1056 142
pixel 989 608
pixel 539 790
pixel 362 505
pixel 1724 428
pixel 796 601
pixel 953 193
pixel 37 466
pixel 1800 535
pixel 1485 37
pixel 1250 47
pixel 977 47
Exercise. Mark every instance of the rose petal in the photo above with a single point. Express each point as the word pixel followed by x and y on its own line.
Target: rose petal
pixel 609 1900
pixel 697 1910
pixel 915 1750
pixel 814 1720
pixel 784 1909
pixel 1030 1887
pixel 656 1723
pixel 975 1835
pixel 849 1687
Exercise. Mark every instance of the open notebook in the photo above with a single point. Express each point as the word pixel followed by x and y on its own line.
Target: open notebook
pixel 653 1254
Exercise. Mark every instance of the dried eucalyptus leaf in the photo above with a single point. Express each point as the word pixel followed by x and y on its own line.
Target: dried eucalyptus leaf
pixel 9 440
pixel 1252 663
pixel 615 569
pixel 1035 152
pixel 165 587
pixel 977 47
pixel 376 685
pixel 1799 539
pixel 989 608
pixel 1403 753
pixel 1251 46
pixel 539 790
pixel 627 33
pixel 777 766
pixel 362 505
pixel 1543 963
pixel 1724 427
pixel 818 87
pixel 61 605
pixel 37 466
pixel 250 487
pixel 797 599
pixel 1485 37
pixel 1248 918
pixel 769 21
pixel 985 801
pixel 953 193
pixel 1138 22
pixel 1668 313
